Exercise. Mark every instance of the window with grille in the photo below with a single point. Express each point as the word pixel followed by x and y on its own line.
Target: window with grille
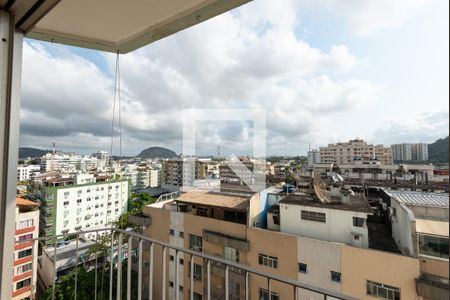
pixel 264 295
pixel 23 283
pixel 268 261
pixel 25 224
pixel 231 254
pixel 313 216
pixel 24 253
pixel 382 291
pixel 195 242
pixel 24 268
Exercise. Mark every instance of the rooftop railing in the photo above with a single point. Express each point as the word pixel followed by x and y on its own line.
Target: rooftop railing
pixel 113 243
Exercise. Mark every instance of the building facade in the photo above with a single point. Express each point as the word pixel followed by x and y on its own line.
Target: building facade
pixel 25 261
pixel 313 157
pixel 86 202
pixel 358 149
pixel 181 171
pixel 219 224
pixel 410 152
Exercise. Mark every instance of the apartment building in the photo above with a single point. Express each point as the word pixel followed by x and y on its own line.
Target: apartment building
pixel 243 171
pixel 220 224
pixel 25 261
pixel 82 202
pixel 420 228
pixel 26 172
pixel 410 152
pixel 357 149
pixel 181 171
pixel 313 157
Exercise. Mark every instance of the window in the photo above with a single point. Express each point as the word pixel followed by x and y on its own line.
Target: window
pixel 181 261
pixel 195 242
pixel 302 268
pixel 268 261
pixel 197 271
pixel 171 232
pixel 356 237
pixel 24 268
pixel 171 284
pixel 171 258
pixel 276 219
pixel 24 253
pixel 231 254
pixel 313 216
pixel 66 203
pixel 264 295
pixel 181 234
pixel 180 288
pixel 433 246
pixel 358 222
pixel 197 296
pixel 23 283
pixel 335 276
pixel 25 224
pixel 25 237
pixel 66 213
pixel 382 291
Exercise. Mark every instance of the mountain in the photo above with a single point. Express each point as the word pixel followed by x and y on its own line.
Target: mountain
pixel 157 152
pixel 438 151
pixel 25 152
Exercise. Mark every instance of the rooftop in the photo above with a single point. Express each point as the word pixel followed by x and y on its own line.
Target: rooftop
pixel 414 198
pixel 235 202
pixel 25 202
pixel 305 198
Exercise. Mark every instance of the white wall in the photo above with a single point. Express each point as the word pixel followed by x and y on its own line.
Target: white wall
pixel 321 258
pixel 401 227
pixel 69 213
pixel 338 227
pixel 177 224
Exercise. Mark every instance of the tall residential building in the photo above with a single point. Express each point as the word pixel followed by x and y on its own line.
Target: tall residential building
pixel 26 172
pixel 180 171
pixel 357 149
pixel 313 157
pixel 25 261
pixel 410 152
pixel 84 202
pixel 331 249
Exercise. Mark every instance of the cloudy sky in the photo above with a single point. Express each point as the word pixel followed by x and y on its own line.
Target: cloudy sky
pixel 323 70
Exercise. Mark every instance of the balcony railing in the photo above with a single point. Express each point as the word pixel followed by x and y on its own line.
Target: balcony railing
pixel 117 241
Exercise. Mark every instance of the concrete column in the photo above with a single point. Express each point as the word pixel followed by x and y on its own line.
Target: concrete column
pixel 10 86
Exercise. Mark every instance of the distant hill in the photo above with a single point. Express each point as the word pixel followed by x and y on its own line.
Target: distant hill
pixel 438 151
pixel 25 152
pixel 157 152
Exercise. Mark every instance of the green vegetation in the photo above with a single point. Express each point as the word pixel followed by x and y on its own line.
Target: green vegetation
pixel 438 151
pixel 135 205
pixel 25 152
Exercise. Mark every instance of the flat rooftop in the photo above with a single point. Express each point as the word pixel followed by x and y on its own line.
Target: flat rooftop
pixel 414 198
pixel 235 202
pixel 303 198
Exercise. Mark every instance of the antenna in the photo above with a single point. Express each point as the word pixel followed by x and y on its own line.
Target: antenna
pixel 218 151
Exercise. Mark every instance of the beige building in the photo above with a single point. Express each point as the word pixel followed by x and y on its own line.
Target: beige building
pixel 357 149
pixel 25 261
pixel 220 224
pixel 181 171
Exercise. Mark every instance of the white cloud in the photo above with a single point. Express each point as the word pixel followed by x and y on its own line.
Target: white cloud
pixel 364 17
pixel 248 58
pixel 426 127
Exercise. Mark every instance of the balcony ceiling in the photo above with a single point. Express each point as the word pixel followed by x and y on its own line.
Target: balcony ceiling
pixel 111 25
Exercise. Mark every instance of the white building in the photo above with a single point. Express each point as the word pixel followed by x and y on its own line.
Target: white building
pixel 313 157
pixel 410 152
pixel 25 172
pixel 302 214
pixel 419 222
pixel 81 203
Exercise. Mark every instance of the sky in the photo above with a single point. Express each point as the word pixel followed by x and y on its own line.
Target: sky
pixel 324 71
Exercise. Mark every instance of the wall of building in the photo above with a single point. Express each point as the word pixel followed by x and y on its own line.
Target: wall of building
pixel 359 265
pixel 18 262
pixel 338 226
pixel 402 227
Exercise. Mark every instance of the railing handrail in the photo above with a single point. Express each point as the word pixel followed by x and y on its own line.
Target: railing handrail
pixel 208 257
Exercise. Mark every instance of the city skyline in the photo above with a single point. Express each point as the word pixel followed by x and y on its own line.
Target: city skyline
pixel 319 71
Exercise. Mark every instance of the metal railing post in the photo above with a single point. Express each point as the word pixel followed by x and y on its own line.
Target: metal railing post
pixel 269 288
pixel 54 270
pixel 150 277
pixel 175 283
pixel 192 278
pixel 130 242
pixel 111 266
pixel 96 258
pixel 76 268
pixel 247 292
pixel 119 268
pixel 164 279
pixel 140 270
pixel 208 271
pixel 227 282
